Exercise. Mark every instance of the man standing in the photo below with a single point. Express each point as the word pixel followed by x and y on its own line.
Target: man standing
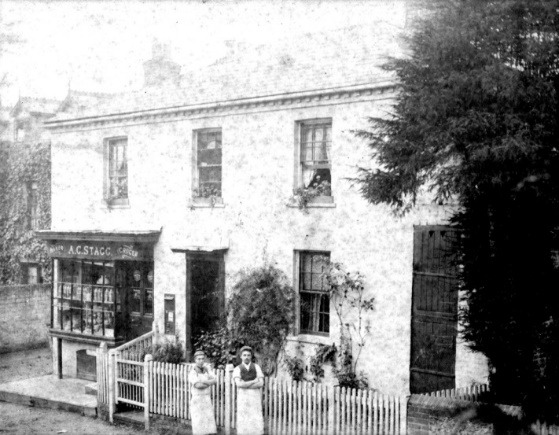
pixel 249 379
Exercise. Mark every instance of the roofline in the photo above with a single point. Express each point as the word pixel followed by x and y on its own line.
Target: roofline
pixel 100 236
pixel 371 87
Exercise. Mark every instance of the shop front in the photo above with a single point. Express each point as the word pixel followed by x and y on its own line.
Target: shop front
pixel 102 291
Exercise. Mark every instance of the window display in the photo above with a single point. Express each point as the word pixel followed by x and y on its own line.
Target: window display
pixel 96 298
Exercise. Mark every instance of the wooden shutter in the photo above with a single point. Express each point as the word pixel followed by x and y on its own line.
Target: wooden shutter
pixel 434 309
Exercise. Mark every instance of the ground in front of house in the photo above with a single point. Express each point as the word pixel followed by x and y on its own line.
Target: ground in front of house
pixel 21 419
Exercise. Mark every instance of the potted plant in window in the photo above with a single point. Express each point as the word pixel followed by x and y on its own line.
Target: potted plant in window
pixel 320 192
pixel 207 195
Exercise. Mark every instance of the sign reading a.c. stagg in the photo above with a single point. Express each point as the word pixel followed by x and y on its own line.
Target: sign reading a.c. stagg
pixel 99 250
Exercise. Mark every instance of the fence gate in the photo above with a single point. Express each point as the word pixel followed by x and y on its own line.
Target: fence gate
pixel 129 382
pixel 434 309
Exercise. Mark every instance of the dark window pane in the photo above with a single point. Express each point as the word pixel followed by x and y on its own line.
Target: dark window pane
pixel 135 300
pixel 148 302
pixel 315 305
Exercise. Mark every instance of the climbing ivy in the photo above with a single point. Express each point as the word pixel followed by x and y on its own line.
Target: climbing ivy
pixel 22 163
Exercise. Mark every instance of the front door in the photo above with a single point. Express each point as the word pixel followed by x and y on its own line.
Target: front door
pixel 205 295
pixel 135 284
pixel 434 309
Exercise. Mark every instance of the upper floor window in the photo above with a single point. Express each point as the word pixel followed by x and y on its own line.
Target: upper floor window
pixel 315 164
pixel 208 157
pixel 314 300
pixel 32 206
pixel 116 182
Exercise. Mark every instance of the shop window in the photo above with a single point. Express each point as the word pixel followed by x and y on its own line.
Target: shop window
pixel 116 164
pixel 314 300
pixel 32 206
pixel 314 165
pixel 207 156
pixel 112 299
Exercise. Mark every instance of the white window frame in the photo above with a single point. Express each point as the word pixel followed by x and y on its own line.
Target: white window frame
pixel 297 259
pixel 196 197
pixel 118 201
pixel 298 169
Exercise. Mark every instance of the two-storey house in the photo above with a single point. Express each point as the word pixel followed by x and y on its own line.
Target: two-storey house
pixel 161 196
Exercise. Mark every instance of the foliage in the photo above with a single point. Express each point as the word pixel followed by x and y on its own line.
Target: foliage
pixel 345 371
pixel 23 163
pixel 295 367
pixel 217 344
pixel 451 426
pixel 322 355
pixel 303 195
pixel 208 192
pixel 169 351
pixel 261 312
pixel 347 293
pixel 477 121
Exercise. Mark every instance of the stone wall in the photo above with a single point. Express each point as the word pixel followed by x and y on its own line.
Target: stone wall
pixel 24 314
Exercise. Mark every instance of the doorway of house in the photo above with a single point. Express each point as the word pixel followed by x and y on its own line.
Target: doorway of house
pixel 434 309
pixel 205 295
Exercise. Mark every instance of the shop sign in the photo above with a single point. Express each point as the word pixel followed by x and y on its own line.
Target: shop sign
pixel 98 250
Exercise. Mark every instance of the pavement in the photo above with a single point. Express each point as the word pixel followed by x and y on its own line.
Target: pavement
pixel 50 392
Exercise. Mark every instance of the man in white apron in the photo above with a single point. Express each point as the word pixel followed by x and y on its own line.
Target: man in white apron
pixel 249 379
pixel 201 408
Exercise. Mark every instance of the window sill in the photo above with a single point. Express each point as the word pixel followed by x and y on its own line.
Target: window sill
pixel 117 204
pixel 199 202
pixel 313 205
pixel 321 201
pixel 311 339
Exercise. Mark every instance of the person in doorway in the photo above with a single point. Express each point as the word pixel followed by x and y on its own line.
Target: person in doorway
pixel 201 408
pixel 249 379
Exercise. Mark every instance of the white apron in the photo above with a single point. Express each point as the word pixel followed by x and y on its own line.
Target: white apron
pixel 249 411
pixel 201 408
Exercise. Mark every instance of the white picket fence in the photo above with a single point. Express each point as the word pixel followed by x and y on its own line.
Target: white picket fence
pixel 289 407
pixel 470 394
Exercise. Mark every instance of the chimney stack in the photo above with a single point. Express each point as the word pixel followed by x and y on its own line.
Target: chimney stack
pixel 160 70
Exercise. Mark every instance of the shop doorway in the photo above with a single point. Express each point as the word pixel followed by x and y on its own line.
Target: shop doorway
pixel 135 283
pixel 205 295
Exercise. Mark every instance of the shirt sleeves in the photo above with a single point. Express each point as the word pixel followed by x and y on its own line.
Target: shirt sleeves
pixel 192 376
pixel 236 372
pixel 259 373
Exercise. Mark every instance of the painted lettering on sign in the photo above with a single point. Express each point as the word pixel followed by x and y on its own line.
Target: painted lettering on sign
pixel 128 251
pixel 101 250
pixel 53 249
pixel 94 251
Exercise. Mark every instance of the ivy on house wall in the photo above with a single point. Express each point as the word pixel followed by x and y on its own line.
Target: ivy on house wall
pixel 22 163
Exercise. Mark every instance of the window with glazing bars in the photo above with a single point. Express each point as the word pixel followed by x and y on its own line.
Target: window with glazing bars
pixel 315 161
pixel 118 169
pixel 208 163
pixel 314 301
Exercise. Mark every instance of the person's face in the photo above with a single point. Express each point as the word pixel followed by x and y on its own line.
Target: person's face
pixel 200 360
pixel 246 357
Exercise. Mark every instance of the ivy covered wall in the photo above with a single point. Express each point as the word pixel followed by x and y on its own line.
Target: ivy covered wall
pixel 24 174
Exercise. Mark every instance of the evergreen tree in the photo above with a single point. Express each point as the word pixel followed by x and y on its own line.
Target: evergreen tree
pixel 477 121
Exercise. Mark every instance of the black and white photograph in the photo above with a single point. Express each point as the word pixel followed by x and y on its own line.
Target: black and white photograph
pixel 259 217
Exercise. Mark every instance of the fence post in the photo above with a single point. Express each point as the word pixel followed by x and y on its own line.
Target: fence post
pixel 147 388
pixel 331 408
pixel 155 338
pixel 102 378
pixel 228 399
pixel 404 414
pixel 112 383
